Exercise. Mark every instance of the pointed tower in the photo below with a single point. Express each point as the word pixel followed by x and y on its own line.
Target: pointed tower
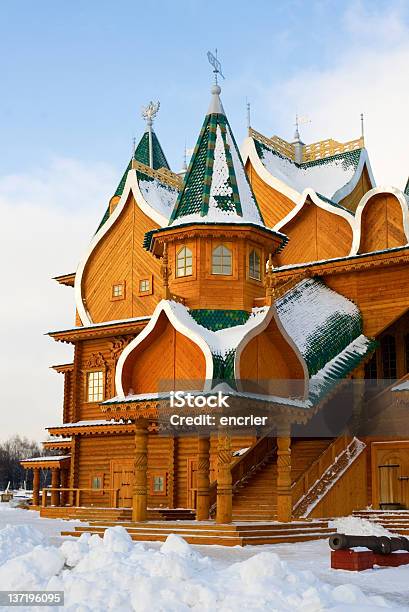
pixel 216 244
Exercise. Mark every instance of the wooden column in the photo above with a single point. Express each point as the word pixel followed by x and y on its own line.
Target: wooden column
pixel 284 498
pixel 55 483
pixel 36 486
pixel 64 485
pixel 140 489
pixel 358 392
pixel 224 482
pixel 203 478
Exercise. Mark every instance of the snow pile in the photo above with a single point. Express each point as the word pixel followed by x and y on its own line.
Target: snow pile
pixel 17 540
pixel 114 573
pixel 352 525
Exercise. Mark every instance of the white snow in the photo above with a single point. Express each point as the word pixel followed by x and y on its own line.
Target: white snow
pixel 113 573
pixel 353 525
pixel 161 197
pixel 326 178
pixel 402 387
pixel 45 458
pixel 309 309
pixel 86 424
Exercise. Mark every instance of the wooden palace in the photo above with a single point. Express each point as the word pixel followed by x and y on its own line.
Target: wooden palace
pixel 282 263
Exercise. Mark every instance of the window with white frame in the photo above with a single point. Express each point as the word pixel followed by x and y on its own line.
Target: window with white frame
pixel 118 290
pixel 184 262
pixel 254 265
pixel 95 386
pixel 144 285
pixel 222 260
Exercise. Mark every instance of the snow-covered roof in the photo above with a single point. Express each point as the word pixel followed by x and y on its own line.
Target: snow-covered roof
pixel 329 177
pixel 320 321
pixel 96 422
pixel 45 458
pixel 216 188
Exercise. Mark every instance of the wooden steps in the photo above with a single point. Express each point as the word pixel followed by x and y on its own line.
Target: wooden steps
pixel 115 514
pixel 208 532
pixel 396 521
pixel 256 499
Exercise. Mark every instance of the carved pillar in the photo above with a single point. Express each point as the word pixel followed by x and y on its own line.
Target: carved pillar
pixel 140 490
pixel 284 498
pixel 36 487
pixel 55 484
pixel 203 478
pixel 165 273
pixel 358 392
pixel 224 482
pixel 64 485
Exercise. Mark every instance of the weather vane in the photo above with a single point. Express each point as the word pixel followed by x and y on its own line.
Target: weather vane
pixel 149 112
pixel 217 67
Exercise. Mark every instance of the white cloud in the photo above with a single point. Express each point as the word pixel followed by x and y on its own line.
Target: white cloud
pixel 48 216
pixel 368 74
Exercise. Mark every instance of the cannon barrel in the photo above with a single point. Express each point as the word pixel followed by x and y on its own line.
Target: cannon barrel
pixel 383 545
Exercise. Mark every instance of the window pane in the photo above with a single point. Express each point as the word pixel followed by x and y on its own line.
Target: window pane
pixel 221 260
pixel 254 265
pixel 95 386
pixel 184 262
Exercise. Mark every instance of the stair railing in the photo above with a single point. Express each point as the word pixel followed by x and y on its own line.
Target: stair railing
pixel 246 465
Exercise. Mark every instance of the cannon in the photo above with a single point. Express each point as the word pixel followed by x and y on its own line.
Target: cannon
pixel 383 545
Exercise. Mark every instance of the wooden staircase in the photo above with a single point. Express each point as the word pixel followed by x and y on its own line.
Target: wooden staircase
pixel 207 532
pixel 396 521
pixel 255 498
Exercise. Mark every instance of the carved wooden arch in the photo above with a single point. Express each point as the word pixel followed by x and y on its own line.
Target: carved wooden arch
pixel 315 232
pixel 164 360
pixel 381 217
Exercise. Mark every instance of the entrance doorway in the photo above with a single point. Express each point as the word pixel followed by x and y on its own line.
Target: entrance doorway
pixel 390 474
pixel 122 478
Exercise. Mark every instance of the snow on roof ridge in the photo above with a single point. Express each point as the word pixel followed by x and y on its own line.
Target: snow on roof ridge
pixel 48 458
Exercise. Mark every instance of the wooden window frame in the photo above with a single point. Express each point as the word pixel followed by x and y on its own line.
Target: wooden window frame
pixel 184 247
pixel 86 388
pixel 158 473
pixel 253 247
pixel 192 245
pixel 99 475
pixel 149 278
pixel 210 247
pixel 116 298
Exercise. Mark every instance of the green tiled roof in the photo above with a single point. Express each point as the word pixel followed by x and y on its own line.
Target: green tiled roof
pixel 406 190
pixel 216 186
pixel 142 156
pixel 321 322
pixel 219 319
pixel 223 368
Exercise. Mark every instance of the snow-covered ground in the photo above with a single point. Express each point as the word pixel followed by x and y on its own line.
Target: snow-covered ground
pixel 114 573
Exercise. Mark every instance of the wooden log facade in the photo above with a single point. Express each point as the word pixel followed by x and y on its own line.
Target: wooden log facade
pixel 160 286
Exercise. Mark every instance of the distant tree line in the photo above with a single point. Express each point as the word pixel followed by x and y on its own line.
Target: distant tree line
pixel 12 451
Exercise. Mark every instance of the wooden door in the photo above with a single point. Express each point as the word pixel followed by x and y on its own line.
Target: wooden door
pixel 191 482
pixel 390 473
pixel 122 478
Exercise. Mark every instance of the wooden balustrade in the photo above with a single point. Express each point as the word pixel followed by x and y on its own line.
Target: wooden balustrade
pixel 244 465
pixel 77 494
pixel 304 483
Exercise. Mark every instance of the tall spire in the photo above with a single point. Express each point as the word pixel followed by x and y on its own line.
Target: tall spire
pixel 216 188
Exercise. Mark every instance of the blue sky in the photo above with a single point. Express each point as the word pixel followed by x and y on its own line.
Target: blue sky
pixel 75 74
pixel 74 77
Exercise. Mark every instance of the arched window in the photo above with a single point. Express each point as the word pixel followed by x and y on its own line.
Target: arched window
pixel 184 262
pixel 221 260
pixel 254 265
pixel 388 351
